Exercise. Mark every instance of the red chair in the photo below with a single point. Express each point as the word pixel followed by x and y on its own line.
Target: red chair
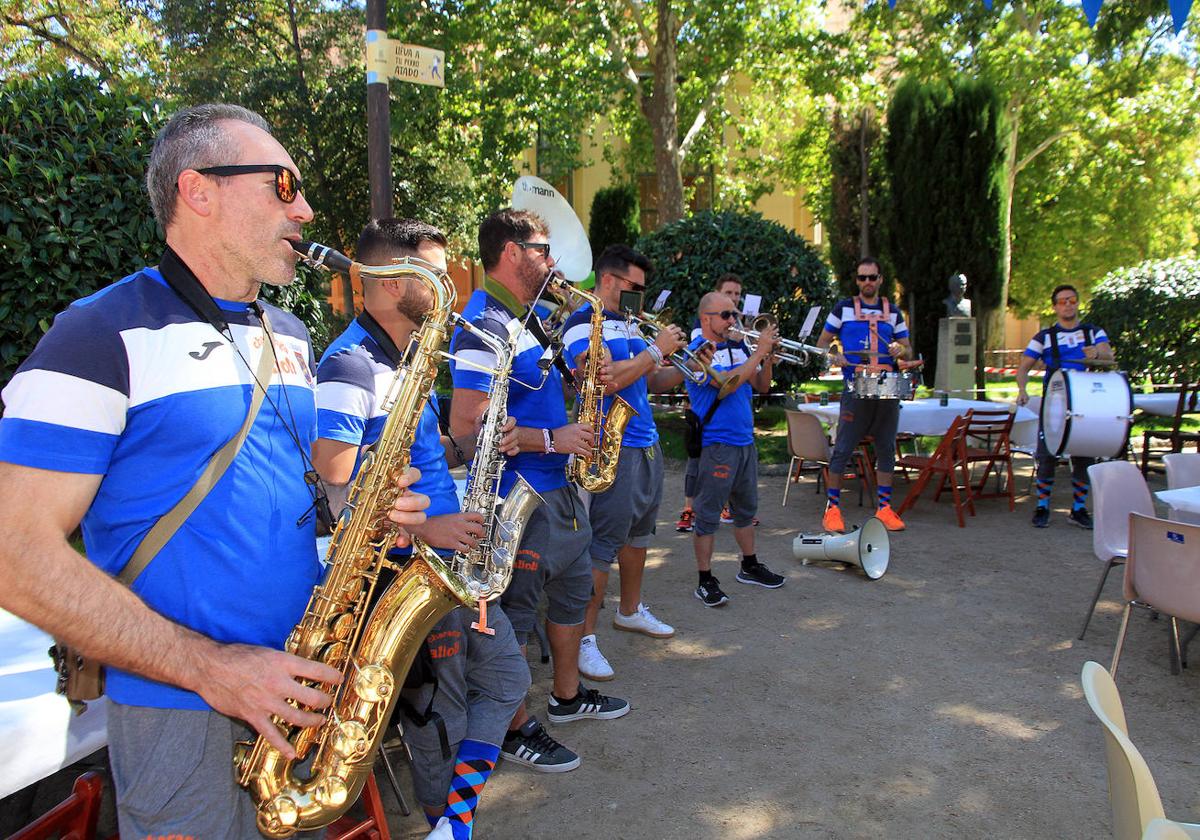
pixel 374 827
pixel 986 439
pixel 72 819
pixel 943 463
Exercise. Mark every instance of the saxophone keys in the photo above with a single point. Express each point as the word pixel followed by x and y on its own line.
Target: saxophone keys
pixel 341 626
pixel 331 792
pixel 277 817
pixel 374 683
pixel 350 741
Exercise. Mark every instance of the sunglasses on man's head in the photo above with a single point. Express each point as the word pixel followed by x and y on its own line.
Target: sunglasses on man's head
pixel 287 182
pixel 724 314
pixel 863 278
pixel 544 247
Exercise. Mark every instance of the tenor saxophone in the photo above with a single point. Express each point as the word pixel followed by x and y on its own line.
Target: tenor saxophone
pixel 487 569
pixel 371 640
pixel 596 471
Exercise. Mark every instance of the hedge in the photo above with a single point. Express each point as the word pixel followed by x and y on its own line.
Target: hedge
pixel 1151 313
pixel 773 262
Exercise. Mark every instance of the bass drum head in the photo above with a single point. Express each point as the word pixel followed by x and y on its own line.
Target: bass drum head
pixel 1056 412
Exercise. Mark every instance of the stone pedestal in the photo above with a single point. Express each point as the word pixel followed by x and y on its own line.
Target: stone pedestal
pixel 956 357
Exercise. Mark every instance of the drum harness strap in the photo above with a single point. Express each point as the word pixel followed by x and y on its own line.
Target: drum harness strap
pixel 1089 338
pixel 872 319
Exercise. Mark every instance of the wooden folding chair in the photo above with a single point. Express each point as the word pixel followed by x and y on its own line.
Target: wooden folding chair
pixel 986 439
pixel 72 819
pixel 942 463
pixel 1189 394
pixel 373 827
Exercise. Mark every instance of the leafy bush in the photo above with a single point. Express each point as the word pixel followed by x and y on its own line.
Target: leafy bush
pixel 1151 313
pixel 614 218
pixel 73 213
pixel 774 262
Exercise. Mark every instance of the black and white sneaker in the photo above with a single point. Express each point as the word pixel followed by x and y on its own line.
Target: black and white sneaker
pixel 1041 517
pixel 532 746
pixel 760 575
pixel 1082 518
pixel 587 704
pixel 709 592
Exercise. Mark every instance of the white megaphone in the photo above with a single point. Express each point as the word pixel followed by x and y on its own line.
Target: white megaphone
pixel 866 547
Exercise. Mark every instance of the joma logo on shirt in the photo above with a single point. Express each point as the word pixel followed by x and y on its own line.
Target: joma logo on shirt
pixel 205 351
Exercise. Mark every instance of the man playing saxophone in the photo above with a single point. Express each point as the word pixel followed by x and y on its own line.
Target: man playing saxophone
pixel 111 420
pixel 467 684
pixel 553 557
pixel 623 517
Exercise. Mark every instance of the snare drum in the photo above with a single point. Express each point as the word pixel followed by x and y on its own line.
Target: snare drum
pixel 1087 413
pixel 883 385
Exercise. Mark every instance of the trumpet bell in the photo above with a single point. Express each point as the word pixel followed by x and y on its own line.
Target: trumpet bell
pixel 568 240
pixel 868 548
pixel 732 381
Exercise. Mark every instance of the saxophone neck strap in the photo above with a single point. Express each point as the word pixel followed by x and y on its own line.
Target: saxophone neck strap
pixel 170 522
pixel 374 329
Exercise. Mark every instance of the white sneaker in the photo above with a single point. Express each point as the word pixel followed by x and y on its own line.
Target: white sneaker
pixel 643 621
pixel 592 663
pixel 441 831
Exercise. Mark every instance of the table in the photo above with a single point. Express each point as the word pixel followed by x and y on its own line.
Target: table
pixel 1184 503
pixel 929 417
pixel 37 728
pixel 1162 404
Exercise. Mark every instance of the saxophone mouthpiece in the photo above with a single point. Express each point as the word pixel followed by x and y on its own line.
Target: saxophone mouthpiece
pixel 321 256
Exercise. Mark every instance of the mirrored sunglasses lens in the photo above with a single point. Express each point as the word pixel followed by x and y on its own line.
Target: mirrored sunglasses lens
pixel 285 185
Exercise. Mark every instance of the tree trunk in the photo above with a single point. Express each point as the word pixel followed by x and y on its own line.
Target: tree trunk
pixel 864 187
pixel 661 111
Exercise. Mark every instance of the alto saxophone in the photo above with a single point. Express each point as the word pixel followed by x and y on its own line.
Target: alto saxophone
pixel 371 640
pixel 487 569
pixel 597 471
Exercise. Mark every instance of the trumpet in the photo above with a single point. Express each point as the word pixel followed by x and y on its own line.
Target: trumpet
pixel 798 353
pixel 684 359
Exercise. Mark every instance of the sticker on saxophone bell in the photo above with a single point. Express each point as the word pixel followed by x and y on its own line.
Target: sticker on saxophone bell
pixel 1175 536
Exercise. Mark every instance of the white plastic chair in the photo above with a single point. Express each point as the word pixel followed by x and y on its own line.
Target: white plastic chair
pixel 1118 489
pixel 1162 573
pixel 1132 792
pixel 1183 470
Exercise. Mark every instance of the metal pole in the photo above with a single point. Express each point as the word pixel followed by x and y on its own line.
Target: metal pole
pixel 379 127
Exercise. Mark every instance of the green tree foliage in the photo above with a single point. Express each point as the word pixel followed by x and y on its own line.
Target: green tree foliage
pixel 774 262
pixel 73 213
pixel 858 196
pixel 614 217
pixel 105 38
pixel 945 158
pixel 1158 299
pixel 1101 124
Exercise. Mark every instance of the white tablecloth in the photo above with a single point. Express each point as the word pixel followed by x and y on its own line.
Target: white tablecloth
pixel 1163 403
pixel 1184 500
pixel 38 732
pixel 930 417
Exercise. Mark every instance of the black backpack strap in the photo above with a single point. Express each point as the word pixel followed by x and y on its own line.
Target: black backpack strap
pixel 420 674
pixel 1055 356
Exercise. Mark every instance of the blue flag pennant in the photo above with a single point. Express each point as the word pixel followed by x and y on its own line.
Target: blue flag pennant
pixel 1179 13
pixel 1179 10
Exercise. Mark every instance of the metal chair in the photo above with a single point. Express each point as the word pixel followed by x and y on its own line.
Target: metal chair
pixel 1132 792
pixel 1162 573
pixel 1118 489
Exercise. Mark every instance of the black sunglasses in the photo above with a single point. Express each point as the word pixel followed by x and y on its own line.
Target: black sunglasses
pixel 637 287
pixel 544 247
pixel 868 277
pixel 287 182
pixel 725 314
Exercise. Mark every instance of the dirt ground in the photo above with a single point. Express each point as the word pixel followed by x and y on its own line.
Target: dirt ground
pixel 941 701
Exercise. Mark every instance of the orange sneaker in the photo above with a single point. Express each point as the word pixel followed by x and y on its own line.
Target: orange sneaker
pixel 889 518
pixel 832 520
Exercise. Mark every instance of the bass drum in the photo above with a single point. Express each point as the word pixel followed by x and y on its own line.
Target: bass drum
pixel 1087 414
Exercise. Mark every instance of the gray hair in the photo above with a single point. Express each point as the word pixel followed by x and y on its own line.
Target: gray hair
pixel 193 139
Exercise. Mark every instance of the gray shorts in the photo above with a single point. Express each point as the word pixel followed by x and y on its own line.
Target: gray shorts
pixel 481 680
pixel 626 513
pixel 689 477
pixel 173 773
pixel 726 474
pixel 859 417
pixel 553 558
